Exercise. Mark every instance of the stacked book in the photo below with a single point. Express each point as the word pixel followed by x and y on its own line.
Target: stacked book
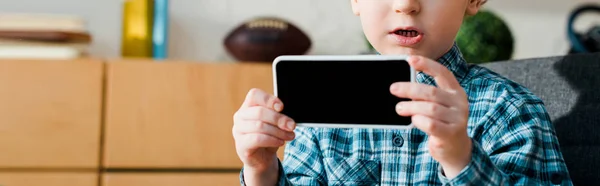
pixel 43 36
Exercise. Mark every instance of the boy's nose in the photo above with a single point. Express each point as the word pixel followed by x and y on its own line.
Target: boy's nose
pixel 407 6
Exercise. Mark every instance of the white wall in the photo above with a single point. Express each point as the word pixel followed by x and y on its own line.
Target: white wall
pixel 199 26
pixel 539 26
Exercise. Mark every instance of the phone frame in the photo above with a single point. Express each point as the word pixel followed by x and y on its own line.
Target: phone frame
pixel 329 58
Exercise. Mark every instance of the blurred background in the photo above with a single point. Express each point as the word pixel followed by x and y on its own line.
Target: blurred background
pixel 197 28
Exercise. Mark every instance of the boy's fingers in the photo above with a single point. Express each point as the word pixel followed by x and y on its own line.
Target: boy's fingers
pixel 431 126
pixel 423 92
pixel 429 109
pixel 255 126
pixel 443 77
pixel 268 116
pixel 258 97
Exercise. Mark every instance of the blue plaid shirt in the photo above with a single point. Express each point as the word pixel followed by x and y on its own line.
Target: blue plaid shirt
pixel 514 143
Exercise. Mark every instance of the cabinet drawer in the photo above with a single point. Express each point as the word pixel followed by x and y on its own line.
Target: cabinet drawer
pixel 48 179
pixel 176 114
pixel 50 113
pixel 179 179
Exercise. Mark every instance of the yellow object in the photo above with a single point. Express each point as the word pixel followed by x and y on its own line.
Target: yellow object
pixel 137 28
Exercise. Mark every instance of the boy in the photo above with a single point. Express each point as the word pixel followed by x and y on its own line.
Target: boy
pixel 472 126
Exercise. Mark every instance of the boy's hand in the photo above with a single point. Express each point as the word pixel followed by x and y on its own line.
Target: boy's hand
pixel 442 112
pixel 259 130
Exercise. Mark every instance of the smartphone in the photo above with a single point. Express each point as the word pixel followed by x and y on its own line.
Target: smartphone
pixel 348 91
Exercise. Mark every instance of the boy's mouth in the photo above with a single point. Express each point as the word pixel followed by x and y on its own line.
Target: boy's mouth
pixel 407 36
pixel 407 33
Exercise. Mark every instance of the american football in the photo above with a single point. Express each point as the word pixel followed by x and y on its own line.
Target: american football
pixel 264 39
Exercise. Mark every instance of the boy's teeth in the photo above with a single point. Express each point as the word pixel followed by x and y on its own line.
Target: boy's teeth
pixel 407 33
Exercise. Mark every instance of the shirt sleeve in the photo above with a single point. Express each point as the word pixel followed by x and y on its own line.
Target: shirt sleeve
pixel 522 150
pixel 302 164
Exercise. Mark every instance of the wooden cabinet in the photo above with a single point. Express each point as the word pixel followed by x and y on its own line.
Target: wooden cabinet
pixel 165 115
pixel 163 123
pixel 50 114
pixel 179 179
pixel 48 179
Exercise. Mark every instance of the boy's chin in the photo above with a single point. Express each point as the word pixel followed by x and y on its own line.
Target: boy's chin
pixel 403 51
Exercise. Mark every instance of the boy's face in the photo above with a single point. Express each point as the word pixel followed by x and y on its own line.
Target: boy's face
pixel 413 27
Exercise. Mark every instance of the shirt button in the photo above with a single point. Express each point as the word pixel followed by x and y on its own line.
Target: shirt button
pixel 556 178
pixel 398 141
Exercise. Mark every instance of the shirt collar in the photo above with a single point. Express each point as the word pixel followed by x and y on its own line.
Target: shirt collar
pixel 454 61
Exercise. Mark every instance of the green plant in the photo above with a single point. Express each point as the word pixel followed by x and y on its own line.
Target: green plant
pixel 485 37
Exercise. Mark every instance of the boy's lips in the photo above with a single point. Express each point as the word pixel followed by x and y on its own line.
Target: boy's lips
pixel 406 36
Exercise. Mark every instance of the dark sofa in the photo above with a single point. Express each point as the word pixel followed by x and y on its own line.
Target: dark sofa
pixel 570 88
